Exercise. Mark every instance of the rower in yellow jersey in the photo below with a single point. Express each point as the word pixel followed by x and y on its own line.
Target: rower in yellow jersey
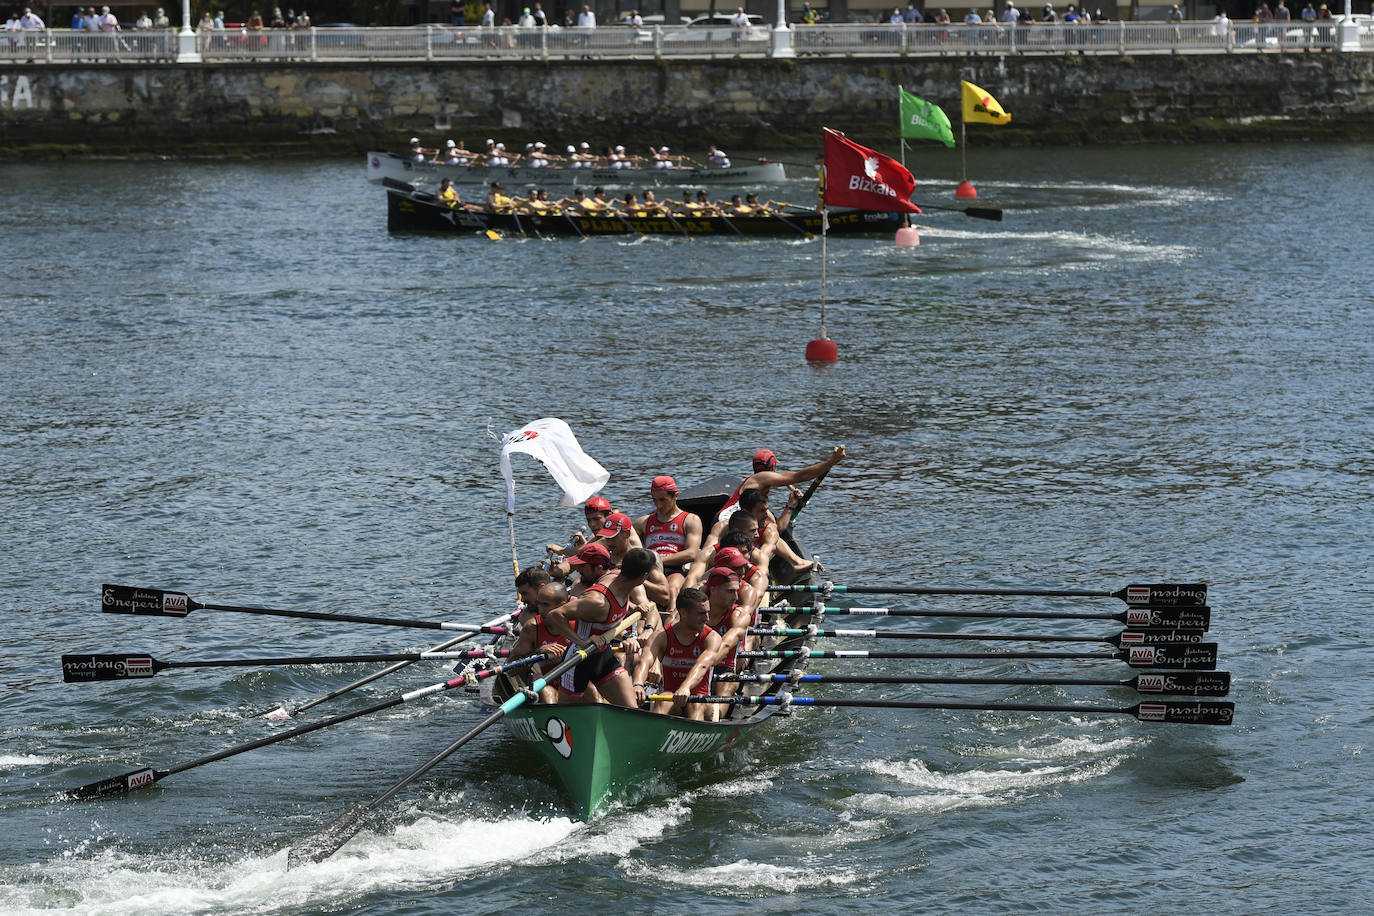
pixel 498 201
pixel 448 195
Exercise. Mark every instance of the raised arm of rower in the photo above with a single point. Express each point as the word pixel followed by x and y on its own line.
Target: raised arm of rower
pixel 788 478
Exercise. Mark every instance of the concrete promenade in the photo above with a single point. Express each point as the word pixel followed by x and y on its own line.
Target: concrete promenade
pixel 340 108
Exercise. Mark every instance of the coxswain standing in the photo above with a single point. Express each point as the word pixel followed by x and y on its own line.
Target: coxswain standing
pixel 685 651
pixel 586 620
pixel 671 532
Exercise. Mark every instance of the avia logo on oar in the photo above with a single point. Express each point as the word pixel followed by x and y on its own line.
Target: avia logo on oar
pixel 93 667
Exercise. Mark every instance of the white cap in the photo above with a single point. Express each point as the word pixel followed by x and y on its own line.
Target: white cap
pixel 583 144
pixel 414 139
pixel 490 142
pixel 539 144
pixel 450 144
pixel 620 149
pixel 572 149
pixel 663 149
pixel 500 146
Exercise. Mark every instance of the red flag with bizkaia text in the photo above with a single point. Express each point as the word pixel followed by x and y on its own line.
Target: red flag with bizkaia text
pixel 856 176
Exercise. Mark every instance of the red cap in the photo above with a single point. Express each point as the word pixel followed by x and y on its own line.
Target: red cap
pixel 720 574
pixel 597 504
pixel 615 523
pixel 664 484
pixel 730 558
pixel 765 460
pixel 596 554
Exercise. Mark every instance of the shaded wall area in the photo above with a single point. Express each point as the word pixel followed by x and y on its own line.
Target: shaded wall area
pixel 759 104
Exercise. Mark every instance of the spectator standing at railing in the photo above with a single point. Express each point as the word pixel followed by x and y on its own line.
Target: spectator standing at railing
pixel 206 24
pixel 541 20
pixel 31 24
pixel 1281 12
pixel 78 19
pixel 278 21
pixel 1324 27
pixel 143 22
pixel 1011 14
pixel 160 20
pixel 1049 15
pixel 254 21
pixel 896 17
pixel 302 20
pixel 912 14
pixel 809 16
pixel 586 19
pixel 219 20
pixel 12 28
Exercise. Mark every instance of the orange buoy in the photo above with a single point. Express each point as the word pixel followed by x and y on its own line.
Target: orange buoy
pixel 822 350
pixel 908 237
pixel 965 189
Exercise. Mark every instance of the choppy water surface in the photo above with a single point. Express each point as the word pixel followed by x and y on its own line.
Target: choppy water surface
pixel 229 379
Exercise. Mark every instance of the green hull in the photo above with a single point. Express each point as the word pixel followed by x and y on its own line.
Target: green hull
pixel 599 751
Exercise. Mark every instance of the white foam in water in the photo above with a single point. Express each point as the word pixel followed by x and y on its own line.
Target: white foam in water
pixel 14 761
pixel 116 883
pixel 746 878
pixel 969 788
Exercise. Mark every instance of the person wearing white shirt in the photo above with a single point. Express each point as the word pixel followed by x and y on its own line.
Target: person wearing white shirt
pixel 143 21
pixel 1011 14
pixel 586 19
pixel 635 20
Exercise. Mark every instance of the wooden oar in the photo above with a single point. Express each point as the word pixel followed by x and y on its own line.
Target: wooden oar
pixel 89 667
pixel 142 778
pixel 1160 595
pixel 1196 683
pixel 325 842
pixel 1164 636
pixel 1197 656
pixel 1188 618
pixel 1187 712
pixel 281 711
pixel 667 211
pixel 156 602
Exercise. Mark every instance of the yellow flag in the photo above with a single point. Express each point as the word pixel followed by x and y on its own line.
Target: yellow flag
pixel 981 108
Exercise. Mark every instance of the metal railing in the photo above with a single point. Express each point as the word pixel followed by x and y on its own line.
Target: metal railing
pixel 67 46
pixel 435 42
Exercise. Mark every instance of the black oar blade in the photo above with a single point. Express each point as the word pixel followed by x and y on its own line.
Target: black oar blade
pixel 145 602
pixel 330 838
pixel 1183 618
pixel 991 213
pixel 1197 712
pixel 1198 656
pixel 1158 636
pixel 1196 683
pixel 1165 594
pixel 79 669
pixel 116 785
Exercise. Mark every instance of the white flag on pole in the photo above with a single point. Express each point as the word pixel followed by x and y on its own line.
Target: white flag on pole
pixel 553 443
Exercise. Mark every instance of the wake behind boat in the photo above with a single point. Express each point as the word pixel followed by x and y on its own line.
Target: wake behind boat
pixel 402 168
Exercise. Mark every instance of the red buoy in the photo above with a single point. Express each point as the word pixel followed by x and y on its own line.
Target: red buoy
pixel 822 350
pixel 965 189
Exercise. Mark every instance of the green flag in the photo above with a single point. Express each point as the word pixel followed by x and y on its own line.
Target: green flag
pixel 922 120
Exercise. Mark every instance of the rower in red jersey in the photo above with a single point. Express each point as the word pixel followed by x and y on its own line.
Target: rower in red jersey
pixel 591 563
pixel 535 637
pixel 685 652
pixel 766 475
pixel 672 533
pixel 731 623
pixel 753 580
pixel 595 510
pixel 585 621
pixel 619 535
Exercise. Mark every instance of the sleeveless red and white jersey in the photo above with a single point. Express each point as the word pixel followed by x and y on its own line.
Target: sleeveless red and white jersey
pixel 727 662
pixel 665 538
pixel 679 659
pixel 586 629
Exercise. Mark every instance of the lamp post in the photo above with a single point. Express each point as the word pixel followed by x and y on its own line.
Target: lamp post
pixel 782 35
pixel 186 39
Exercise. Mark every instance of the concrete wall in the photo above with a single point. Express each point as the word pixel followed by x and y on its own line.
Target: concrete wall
pixel 251 109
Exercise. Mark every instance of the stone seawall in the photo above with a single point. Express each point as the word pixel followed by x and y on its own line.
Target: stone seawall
pixel 250 109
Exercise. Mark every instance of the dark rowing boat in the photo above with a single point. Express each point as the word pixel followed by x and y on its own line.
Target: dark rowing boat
pixel 602 752
pixel 408 210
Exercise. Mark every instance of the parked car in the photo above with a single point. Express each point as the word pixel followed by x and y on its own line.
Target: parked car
pixel 719 28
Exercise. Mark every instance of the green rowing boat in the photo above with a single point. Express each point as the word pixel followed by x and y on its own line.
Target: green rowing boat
pixel 602 753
